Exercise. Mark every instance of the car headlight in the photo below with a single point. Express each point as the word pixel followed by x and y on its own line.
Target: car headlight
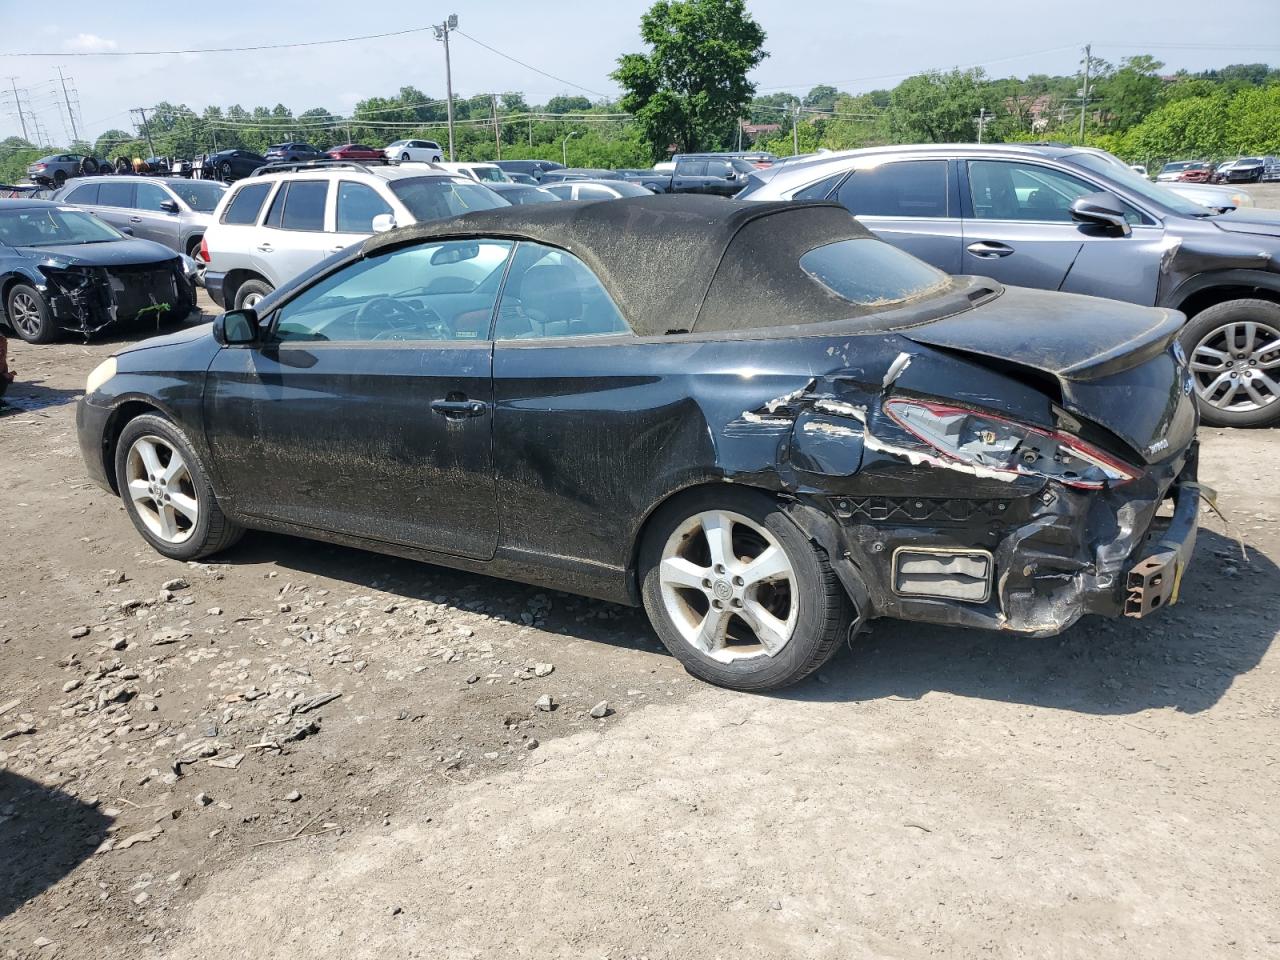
pixel 100 375
pixel 1006 446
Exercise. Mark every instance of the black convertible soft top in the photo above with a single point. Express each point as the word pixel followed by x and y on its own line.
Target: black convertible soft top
pixel 674 262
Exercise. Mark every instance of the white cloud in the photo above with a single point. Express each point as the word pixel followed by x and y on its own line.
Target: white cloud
pixel 90 43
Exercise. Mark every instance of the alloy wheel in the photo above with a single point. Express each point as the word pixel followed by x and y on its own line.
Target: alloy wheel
pixel 729 587
pixel 162 490
pixel 25 315
pixel 250 300
pixel 1237 366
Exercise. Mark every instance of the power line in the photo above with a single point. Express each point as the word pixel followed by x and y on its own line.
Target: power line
pixel 528 66
pixel 261 46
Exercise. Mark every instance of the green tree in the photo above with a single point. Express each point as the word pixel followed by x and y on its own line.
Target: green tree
pixel 821 97
pixel 1132 91
pixel 691 87
pixel 567 104
pixel 937 107
pixel 773 108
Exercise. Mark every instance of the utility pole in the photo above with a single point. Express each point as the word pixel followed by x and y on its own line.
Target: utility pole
pixel 13 81
pixel 981 120
pixel 795 131
pixel 497 127
pixel 146 131
pixel 70 113
pixel 442 33
pixel 531 130
pixel 1084 91
pixel 564 147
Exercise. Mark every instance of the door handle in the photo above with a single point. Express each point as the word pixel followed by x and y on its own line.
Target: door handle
pixel 989 249
pixel 459 409
pixel 135 219
pixel 265 247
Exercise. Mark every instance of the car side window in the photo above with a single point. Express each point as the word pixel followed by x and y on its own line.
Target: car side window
pixel 551 293
pixel 562 190
pixel 304 206
pixel 691 168
pixel 1008 190
pixel 820 190
pixel 115 194
pixel 244 206
pixel 358 204
pixel 590 191
pixel 435 291
pixel 85 193
pixel 908 188
pixel 149 197
pixel 719 168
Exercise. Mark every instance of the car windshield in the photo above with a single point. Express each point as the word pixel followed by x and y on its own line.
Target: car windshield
pixel 1250 160
pixel 1175 167
pixel 199 195
pixel 50 226
pixel 871 273
pixel 523 195
pixel 1136 183
pixel 490 174
pixel 434 198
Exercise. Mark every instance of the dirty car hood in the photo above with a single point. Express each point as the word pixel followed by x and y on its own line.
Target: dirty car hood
pixel 1063 334
pixel 1253 220
pixel 185 335
pixel 111 253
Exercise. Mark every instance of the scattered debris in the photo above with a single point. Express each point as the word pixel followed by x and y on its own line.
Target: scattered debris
pixel 601 710
pixel 545 703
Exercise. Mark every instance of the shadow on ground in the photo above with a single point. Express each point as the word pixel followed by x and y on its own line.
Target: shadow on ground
pixel 44 835
pixel 32 398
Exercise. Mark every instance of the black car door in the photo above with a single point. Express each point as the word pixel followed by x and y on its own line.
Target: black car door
pixel 690 176
pixel 367 410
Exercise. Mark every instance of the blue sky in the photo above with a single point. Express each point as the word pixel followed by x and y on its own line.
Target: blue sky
pixel 852 45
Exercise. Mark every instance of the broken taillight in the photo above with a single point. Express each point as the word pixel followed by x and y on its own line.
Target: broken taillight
pixel 1007 446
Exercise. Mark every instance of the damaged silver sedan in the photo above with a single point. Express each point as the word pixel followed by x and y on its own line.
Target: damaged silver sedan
pixel 65 271
pixel 757 420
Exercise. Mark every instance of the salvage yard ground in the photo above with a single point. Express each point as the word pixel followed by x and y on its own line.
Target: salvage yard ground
pixel 307 751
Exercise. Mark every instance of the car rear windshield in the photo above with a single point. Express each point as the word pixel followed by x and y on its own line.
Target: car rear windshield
pixel 871 273
pixel 435 198
pixel 49 226
pixel 200 195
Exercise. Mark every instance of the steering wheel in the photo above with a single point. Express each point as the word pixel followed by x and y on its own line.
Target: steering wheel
pixel 391 317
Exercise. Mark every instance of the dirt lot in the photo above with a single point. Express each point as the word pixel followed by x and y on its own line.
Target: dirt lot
pixel 307 751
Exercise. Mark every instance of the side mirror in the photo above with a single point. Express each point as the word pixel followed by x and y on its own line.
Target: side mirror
pixel 1101 209
pixel 384 222
pixel 169 206
pixel 236 327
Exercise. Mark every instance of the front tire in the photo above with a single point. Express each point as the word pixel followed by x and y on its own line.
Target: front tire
pixel 737 593
pixel 29 315
pixel 167 492
pixel 251 292
pixel 1234 352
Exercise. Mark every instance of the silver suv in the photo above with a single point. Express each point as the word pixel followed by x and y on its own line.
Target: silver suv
pixel 168 210
pixel 271 227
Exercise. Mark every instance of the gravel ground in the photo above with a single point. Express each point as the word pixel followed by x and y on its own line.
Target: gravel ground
pixel 302 750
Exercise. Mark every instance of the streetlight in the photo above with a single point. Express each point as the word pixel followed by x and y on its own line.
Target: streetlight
pixel 442 33
pixel 564 147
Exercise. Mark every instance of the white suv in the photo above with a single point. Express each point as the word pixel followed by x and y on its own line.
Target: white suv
pixel 479 172
pixel 421 151
pixel 269 228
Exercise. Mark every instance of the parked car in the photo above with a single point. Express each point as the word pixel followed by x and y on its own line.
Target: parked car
pixel 562 174
pixel 62 269
pixel 1217 198
pixel 1172 170
pixel 597 189
pixel 1245 170
pixel 519 194
pixel 423 151
pixel 56 169
pixel 479 172
pixel 524 178
pixel 530 168
pixel 800 429
pixel 292 152
pixel 172 210
pixel 1196 173
pixel 274 226
pixel 702 173
pixel 25 191
pixel 231 165
pixel 1063 218
pixel 354 151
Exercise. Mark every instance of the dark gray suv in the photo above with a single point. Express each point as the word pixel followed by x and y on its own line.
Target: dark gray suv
pixel 1064 218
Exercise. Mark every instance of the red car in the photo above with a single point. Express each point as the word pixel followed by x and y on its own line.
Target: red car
pixel 354 151
pixel 1197 173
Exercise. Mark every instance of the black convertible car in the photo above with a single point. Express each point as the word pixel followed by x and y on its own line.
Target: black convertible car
pixel 757 420
pixel 64 270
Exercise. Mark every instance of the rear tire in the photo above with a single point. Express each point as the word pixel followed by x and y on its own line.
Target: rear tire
pixel 29 315
pixel 250 292
pixel 162 511
pixel 1225 400
pixel 688 594
pixel 404 158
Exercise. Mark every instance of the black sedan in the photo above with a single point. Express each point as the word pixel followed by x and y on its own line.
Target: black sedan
pixel 62 269
pixel 758 421
pixel 230 165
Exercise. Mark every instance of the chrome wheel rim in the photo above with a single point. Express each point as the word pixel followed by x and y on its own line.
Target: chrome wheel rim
pixel 25 314
pixel 160 485
pixel 729 587
pixel 250 300
pixel 1237 366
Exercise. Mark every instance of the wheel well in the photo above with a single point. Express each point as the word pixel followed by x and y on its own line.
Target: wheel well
pixel 633 562
pixel 193 243
pixel 1212 296
pixel 234 280
pixel 120 416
